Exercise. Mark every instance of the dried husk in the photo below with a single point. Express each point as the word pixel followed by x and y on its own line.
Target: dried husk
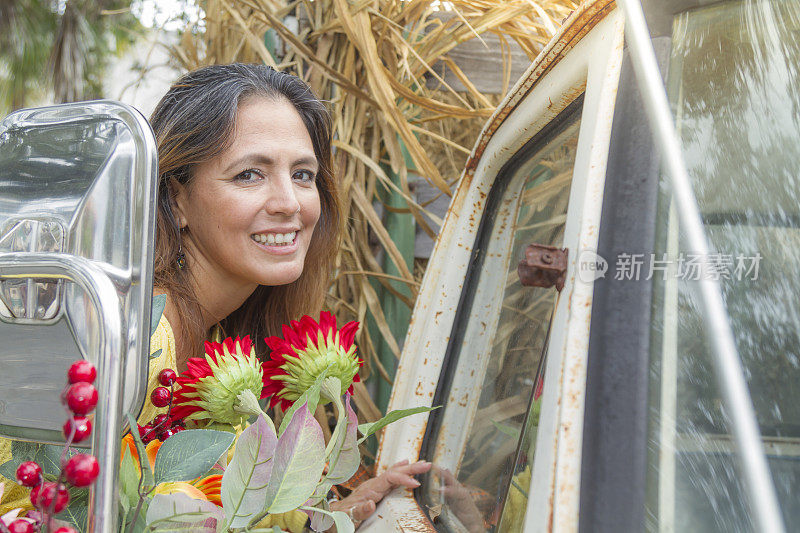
pixel 369 60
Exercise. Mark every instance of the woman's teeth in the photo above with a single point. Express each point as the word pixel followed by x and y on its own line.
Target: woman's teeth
pixel 274 239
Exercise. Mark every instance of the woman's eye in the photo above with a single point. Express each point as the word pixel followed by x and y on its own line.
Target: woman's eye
pixel 248 175
pixel 305 176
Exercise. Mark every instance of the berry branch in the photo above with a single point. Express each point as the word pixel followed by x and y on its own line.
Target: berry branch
pixel 80 470
pixel 161 427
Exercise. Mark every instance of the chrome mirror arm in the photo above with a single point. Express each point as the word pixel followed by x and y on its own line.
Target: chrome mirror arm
pixel 106 438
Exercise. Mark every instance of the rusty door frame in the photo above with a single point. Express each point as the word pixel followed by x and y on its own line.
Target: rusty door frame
pixel 533 103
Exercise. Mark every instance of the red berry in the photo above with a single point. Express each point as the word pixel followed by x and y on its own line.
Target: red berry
pixel 83 428
pixel 81 398
pixel 160 396
pixel 81 470
pixel 167 433
pixel 29 473
pixel 146 433
pixel 159 420
pixel 81 371
pixel 64 530
pixel 167 377
pixel 21 526
pixel 44 494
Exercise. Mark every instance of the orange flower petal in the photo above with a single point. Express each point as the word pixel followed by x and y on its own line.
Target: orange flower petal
pixel 151 450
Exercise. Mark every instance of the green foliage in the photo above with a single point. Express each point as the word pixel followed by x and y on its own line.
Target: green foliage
pixel 342 521
pixel 48 457
pixel 190 454
pixel 368 429
pixel 77 511
pixel 147 472
pixel 179 512
pixel 156 310
pixel 344 458
pixel 128 484
pixel 299 460
pixel 63 47
pixel 244 484
pixel 310 398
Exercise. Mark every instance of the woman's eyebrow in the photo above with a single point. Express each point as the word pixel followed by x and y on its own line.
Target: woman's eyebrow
pixel 307 161
pixel 256 159
pixel 248 160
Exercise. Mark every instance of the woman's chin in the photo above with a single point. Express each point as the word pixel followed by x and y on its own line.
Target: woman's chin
pixel 283 275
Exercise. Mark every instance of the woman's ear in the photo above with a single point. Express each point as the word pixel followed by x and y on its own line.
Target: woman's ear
pixel 179 200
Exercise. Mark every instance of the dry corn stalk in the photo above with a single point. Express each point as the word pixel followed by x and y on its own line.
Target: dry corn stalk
pixel 370 60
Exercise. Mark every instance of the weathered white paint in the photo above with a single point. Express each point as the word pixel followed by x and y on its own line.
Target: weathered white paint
pixel 556 80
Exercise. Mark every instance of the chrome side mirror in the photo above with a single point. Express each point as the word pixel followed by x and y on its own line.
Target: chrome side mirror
pixel 77 223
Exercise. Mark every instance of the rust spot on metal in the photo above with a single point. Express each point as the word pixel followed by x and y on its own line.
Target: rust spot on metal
pixel 543 266
pixel 579 23
pixel 436 316
pixel 419 390
pixel 415 522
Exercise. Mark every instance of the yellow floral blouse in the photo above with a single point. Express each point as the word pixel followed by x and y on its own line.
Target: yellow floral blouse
pixel 163 339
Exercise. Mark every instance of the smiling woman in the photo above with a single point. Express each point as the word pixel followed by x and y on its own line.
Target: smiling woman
pixel 245 159
pixel 248 222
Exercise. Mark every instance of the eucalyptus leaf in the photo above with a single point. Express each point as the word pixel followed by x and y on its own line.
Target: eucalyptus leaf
pixel 128 481
pixel 368 429
pixel 179 512
pixel 190 454
pixel 147 472
pixel 342 521
pixel 244 483
pixel 345 458
pixel 310 397
pixel 156 353
pixel 156 310
pixel 299 461
pixel 320 521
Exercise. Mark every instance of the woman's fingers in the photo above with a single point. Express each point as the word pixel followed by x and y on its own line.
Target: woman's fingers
pixel 362 511
pixel 400 475
pixel 395 478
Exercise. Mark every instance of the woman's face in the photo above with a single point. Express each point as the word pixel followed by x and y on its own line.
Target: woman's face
pixel 250 213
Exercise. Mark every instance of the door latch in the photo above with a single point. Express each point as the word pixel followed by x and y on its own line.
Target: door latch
pixel 543 266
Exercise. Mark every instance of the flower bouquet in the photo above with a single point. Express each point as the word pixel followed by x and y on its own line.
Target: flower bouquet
pixel 273 477
pixel 215 462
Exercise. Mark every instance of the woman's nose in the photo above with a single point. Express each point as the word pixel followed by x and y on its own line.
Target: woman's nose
pixel 282 197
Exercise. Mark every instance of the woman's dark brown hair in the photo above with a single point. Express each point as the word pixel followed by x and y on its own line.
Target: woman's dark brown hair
pixel 194 122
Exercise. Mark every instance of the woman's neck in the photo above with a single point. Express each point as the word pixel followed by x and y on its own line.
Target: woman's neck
pixel 218 296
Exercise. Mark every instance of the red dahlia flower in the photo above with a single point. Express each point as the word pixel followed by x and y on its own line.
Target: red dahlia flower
pixel 223 386
pixel 306 349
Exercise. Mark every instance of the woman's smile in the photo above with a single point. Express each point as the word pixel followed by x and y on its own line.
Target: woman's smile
pixel 277 242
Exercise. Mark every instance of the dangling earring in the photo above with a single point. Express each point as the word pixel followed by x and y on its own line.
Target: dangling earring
pixel 180 259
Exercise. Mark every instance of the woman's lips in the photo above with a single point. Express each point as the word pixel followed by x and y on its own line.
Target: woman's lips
pixel 274 248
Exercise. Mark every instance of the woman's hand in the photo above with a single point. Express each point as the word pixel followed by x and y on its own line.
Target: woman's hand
pixel 361 503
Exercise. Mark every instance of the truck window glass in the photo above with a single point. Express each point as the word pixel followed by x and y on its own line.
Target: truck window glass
pixel 735 87
pixel 483 444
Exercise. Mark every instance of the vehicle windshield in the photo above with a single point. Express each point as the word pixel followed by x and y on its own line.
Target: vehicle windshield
pixel 735 87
